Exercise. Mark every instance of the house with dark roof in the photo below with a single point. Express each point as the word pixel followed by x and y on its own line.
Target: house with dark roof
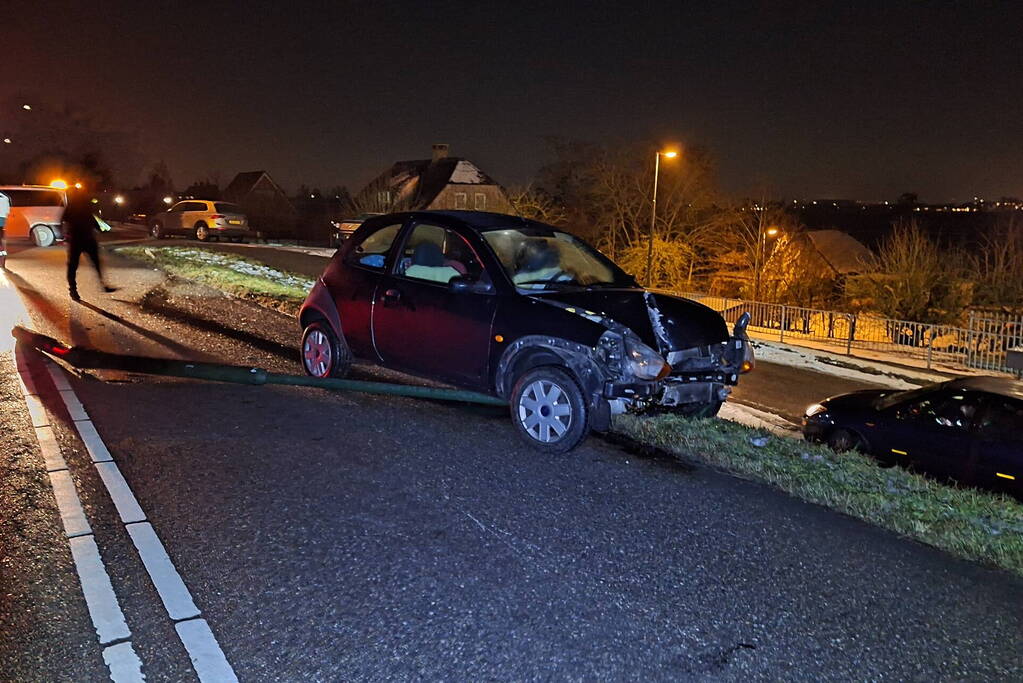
pixel 440 182
pixel 264 202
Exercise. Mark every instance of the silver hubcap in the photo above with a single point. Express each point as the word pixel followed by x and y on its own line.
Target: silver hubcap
pixel 200 232
pixel 544 411
pixel 316 353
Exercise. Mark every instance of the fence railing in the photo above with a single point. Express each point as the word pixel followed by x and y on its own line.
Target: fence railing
pixel 981 345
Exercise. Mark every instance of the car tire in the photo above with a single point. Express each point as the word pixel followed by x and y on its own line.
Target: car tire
pixel 42 236
pixel 698 410
pixel 202 233
pixel 549 411
pixel 843 440
pixel 156 231
pixel 323 353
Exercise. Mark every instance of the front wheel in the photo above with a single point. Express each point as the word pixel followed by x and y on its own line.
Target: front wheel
pixel 549 410
pixel 202 233
pixel 323 353
pixel 156 231
pixel 42 236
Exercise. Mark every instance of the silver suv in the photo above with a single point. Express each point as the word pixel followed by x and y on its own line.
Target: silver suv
pixel 202 219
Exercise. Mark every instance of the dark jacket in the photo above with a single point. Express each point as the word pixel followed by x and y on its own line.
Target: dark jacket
pixel 81 224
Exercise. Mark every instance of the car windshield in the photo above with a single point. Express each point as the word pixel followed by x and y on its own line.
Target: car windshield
pixel 893 399
pixel 543 258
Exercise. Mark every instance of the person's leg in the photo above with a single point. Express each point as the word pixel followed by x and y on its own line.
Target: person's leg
pixel 92 249
pixel 74 253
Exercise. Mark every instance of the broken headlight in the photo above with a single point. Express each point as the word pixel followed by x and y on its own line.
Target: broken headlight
pixel 642 361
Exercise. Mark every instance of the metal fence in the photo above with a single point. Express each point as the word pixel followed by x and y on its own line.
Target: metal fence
pixel 981 345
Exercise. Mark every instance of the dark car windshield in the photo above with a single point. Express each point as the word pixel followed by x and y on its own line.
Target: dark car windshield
pixel 889 400
pixel 543 258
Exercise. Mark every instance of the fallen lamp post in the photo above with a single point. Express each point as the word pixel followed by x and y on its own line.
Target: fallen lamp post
pixel 82 357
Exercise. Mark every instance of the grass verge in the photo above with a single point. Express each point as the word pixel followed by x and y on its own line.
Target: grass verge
pixel 979 526
pixel 230 273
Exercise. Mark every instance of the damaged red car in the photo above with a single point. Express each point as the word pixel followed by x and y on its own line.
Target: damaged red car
pixel 520 310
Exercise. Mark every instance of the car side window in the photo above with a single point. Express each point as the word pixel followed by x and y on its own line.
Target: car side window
pixel 436 254
pixel 177 208
pixel 952 411
pixel 371 251
pixel 1003 420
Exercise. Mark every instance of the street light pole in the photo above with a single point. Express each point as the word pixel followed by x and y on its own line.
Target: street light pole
pixel 653 216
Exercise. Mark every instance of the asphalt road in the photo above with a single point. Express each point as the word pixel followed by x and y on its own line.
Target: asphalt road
pixel 349 537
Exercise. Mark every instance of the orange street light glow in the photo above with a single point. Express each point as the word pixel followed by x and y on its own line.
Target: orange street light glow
pixel 58 184
pixel 772 231
pixel 78 186
pixel 669 155
pixel 118 199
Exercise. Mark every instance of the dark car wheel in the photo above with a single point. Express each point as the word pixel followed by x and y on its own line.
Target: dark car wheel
pixel 697 410
pixel 549 410
pixel 202 233
pixel 157 231
pixel 842 440
pixel 323 354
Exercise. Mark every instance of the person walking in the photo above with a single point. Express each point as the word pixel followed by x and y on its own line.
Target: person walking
pixel 5 211
pixel 80 226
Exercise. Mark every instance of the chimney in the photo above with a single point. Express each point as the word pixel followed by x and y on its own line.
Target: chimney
pixel 440 151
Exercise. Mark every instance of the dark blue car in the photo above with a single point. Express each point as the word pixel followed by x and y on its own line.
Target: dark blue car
pixel 966 430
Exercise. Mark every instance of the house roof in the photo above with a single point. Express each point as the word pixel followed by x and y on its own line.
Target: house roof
pixel 423 179
pixel 841 251
pixel 245 181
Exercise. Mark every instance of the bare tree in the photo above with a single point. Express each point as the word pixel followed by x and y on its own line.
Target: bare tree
pixel 912 278
pixel 531 202
pixel 997 266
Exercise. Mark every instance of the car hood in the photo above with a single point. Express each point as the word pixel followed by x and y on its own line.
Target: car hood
pixel 663 322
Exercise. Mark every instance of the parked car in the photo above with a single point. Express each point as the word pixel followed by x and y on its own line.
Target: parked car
pixel 138 218
pixel 202 219
pixel 343 229
pixel 967 430
pixel 36 213
pixel 520 310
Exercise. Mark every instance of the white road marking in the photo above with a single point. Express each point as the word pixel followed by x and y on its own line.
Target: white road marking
pixel 70 507
pixel 50 449
pixel 124 500
pixel 205 652
pixel 74 406
pixel 93 443
pixel 125 666
pixel 169 586
pixel 58 376
pixel 207 657
pixel 106 613
pixel 37 411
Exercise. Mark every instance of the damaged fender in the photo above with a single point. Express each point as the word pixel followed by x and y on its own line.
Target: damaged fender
pixel 534 351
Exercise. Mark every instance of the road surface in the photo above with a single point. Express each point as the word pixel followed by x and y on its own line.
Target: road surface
pixel 330 536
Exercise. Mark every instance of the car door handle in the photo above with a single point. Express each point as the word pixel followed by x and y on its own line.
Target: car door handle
pixel 391 296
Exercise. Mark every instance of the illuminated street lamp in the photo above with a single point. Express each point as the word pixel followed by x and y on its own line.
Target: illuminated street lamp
pixel 168 200
pixel 653 214
pixel 7 141
pixel 761 257
pixel 27 107
pixel 58 184
pixel 118 200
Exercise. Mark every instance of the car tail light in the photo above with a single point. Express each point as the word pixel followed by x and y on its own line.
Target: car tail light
pixel 217 215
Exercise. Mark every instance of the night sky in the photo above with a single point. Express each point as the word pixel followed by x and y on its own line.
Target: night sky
pixel 828 99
